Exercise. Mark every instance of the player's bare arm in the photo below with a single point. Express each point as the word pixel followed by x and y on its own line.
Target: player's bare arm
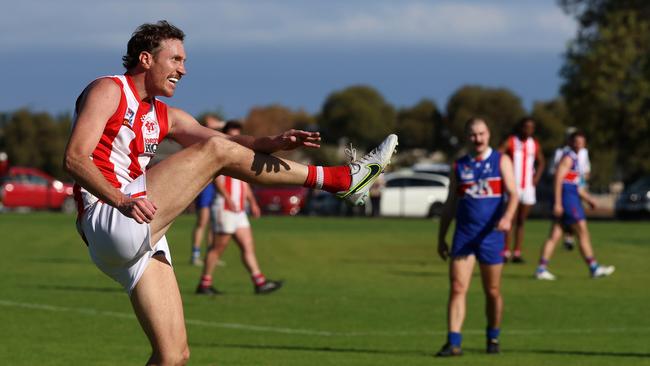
pixel 250 197
pixel 97 105
pixel 540 164
pixel 448 213
pixel 585 196
pixel 187 131
pixel 562 169
pixel 508 176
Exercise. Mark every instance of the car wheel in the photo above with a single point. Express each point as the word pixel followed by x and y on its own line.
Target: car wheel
pixel 68 206
pixel 435 209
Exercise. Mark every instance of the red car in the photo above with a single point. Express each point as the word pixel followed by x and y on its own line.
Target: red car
pixel 32 188
pixel 281 200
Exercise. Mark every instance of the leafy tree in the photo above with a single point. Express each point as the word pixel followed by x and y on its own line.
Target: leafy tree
pixel 607 84
pixel 37 140
pixel 420 126
pixel 551 119
pixel 359 113
pixel 500 107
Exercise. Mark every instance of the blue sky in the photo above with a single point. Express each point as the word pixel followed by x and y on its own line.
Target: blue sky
pixel 248 53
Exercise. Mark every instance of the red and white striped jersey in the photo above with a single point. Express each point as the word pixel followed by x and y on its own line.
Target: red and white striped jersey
pixel 523 154
pixel 129 141
pixel 236 190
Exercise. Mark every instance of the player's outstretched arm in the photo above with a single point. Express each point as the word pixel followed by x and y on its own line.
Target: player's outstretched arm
pixel 187 131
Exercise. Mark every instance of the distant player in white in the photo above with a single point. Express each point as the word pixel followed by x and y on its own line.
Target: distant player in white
pixel 125 209
pixel 584 167
pixel 229 221
pixel 528 162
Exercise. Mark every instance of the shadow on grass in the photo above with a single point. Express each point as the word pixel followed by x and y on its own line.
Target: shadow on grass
pixel 383 262
pixel 79 288
pixel 314 349
pixel 60 260
pixel 418 273
pixel 583 353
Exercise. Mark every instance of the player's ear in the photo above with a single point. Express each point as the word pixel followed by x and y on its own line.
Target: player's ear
pixel 146 59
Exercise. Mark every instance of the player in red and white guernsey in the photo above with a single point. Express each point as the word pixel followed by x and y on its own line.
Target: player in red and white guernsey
pixel 125 209
pixel 528 162
pixel 229 220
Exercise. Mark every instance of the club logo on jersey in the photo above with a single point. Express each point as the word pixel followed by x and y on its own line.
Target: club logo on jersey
pixel 467 173
pixel 128 117
pixel 150 134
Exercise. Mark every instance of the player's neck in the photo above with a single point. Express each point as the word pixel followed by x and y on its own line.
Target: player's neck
pixel 137 81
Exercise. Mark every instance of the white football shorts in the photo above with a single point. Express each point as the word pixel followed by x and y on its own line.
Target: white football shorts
pixel 527 195
pixel 118 245
pixel 227 222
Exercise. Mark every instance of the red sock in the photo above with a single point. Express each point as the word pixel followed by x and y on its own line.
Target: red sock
pixel 258 279
pixel 330 178
pixel 206 281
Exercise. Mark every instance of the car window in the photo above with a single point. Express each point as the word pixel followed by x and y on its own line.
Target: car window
pixel 640 185
pixel 397 182
pixel 416 182
pixel 35 179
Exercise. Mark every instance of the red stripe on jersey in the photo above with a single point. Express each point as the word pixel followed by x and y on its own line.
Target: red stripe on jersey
pixel 136 146
pixel 242 194
pixel 163 121
pixel 473 189
pixel 511 147
pixel 571 177
pixel 228 185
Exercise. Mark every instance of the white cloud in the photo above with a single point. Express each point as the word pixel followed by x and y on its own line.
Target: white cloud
pixel 517 26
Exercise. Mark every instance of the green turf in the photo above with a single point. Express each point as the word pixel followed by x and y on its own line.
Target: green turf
pixel 358 292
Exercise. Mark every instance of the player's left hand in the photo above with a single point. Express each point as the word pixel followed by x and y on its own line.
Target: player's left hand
pixel 293 139
pixel 255 211
pixel 504 224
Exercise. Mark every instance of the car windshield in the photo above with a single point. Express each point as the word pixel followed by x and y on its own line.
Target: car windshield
pixel 642 184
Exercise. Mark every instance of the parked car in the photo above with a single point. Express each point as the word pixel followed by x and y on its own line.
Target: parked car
pixel 413 194
pixel 34 189
pixel 634 202
pixel 281 200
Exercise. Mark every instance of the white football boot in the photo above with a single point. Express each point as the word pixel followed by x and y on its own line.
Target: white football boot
pixel 544 275
pixel 367 169
pixel 603 271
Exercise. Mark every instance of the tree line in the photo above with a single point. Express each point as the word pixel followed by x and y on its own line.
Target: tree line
pixel 605 92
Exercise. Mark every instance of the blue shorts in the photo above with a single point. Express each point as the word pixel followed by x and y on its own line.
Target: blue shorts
pixel 205 198
pixel 486 247
pixel 573 210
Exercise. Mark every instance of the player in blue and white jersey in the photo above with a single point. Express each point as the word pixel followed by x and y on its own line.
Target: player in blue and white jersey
pixel 568 212
pixel 483 199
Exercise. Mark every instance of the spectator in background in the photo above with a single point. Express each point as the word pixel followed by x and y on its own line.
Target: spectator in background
pixel 229 220
pixel 584 167
pixel 203 202
pixel 528 162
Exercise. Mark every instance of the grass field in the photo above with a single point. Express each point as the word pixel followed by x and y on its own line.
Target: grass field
pixel 358 292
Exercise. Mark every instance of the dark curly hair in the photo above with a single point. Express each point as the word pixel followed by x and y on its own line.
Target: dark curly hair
pixel 147 37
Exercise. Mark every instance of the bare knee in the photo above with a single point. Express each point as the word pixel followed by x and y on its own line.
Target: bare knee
pixel 458 288
pixel 493 292
pixel 219 149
